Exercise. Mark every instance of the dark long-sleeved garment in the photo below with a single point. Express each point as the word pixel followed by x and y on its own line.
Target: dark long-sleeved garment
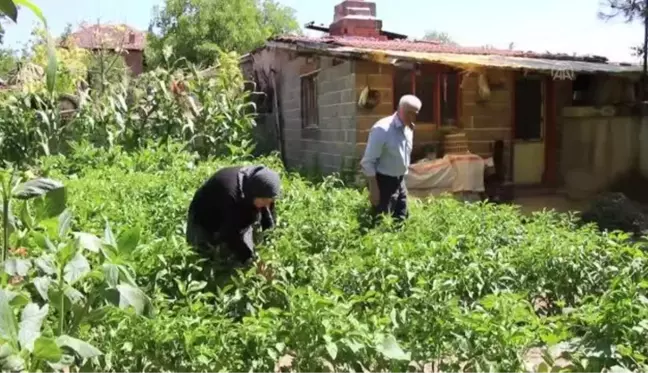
pixel 222 210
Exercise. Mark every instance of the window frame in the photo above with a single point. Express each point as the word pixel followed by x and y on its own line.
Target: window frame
pixel 309 108
pixel 439 72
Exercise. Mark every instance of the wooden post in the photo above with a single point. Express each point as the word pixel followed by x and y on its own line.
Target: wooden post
pixel 278 127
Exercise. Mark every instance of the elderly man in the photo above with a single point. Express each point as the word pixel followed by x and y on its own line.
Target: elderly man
pixel 387 158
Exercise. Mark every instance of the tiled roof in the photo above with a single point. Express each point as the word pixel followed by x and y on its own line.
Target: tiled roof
pixel 423 46
pixel 109 37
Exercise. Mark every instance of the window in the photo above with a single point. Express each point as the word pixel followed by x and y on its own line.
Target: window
pixel 528 109
pixel 425 90
pixel 437 90
pixel 309 114
pixel 449 95
pixel 402 85
pixel 582 88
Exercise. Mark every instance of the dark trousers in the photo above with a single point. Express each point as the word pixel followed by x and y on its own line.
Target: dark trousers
pixel 393 197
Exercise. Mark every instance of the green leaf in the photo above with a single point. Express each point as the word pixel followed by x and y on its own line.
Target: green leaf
pixel 73 295
pixel 87 241
pixel 51 47
pixel 25 216
pixel 389 348
pixel 8 8
pixel 47 349
pixel 15 299
pixel 50 205
pixel 76 268
pixel 50 72
pixel 128 240
pixel 8 324
pixel 543 368
pixel 332 349
pixel 35 9
pixel 66 253
pixel 111 274
pixel 84 349
pixel 43 241
pixel 13 363
pixel 17 266
pixel 109 238
pixel 64 223
pixel 5 350
pixel 36 188
pixel 42 285
pixel 30 324
pixel 46 264
pixel 134 297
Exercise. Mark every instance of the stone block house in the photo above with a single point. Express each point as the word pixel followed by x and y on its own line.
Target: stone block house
pixel 127 40
pixel 522 99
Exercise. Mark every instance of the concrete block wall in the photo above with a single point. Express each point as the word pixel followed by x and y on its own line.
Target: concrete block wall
pixel 330 146
pixel 487 121
pixel 380 77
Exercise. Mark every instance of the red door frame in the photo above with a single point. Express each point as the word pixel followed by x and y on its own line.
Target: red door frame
pixel 438 70
pixel 551 134
pixel 549 176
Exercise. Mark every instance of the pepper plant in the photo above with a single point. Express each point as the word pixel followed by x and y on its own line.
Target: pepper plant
pixel 59 281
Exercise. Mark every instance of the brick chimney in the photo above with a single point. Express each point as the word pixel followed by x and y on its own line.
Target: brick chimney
pixel 356 18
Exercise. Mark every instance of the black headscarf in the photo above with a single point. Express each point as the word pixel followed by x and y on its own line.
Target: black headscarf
pixel 259 182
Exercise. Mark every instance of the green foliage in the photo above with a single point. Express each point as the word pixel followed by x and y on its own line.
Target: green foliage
pixel 196 29
pixel 212 114
pixel 442 37
pixel 72 68
pixel 467 287
pixel 8 62
pixel 59 280
pixel 9 8
pixel 106 68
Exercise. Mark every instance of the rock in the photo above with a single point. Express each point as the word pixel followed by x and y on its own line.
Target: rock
pixel 614 211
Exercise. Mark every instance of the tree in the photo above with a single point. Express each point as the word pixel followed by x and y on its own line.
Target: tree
pixel 442 37
pixel 197 29
pixel 67 31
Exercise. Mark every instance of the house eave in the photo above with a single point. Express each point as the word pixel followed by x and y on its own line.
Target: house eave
pixel 457 60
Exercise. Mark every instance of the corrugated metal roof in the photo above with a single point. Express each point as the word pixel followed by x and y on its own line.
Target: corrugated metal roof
pixel 395 45
pixel 508 62
pixel 384 51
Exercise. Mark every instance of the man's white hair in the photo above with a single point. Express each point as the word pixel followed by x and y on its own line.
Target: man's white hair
pixel 410 102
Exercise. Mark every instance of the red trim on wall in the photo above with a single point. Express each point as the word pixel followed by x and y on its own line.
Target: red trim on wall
pixel 413 78
pixel 551 133
pixel 437 99
pixel 460 123
pixel 513 78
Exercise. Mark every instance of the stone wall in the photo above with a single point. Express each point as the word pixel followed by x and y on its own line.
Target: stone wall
pixel 330 146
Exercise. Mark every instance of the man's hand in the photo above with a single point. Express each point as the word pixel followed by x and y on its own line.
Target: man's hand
pixel 374 192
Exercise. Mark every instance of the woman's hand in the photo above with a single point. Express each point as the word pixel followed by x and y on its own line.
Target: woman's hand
pixel 264 270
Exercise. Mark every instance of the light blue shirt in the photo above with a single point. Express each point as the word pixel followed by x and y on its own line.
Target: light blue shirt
pixel 389 148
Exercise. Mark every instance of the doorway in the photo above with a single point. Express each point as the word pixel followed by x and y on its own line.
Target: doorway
pixel 529 131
